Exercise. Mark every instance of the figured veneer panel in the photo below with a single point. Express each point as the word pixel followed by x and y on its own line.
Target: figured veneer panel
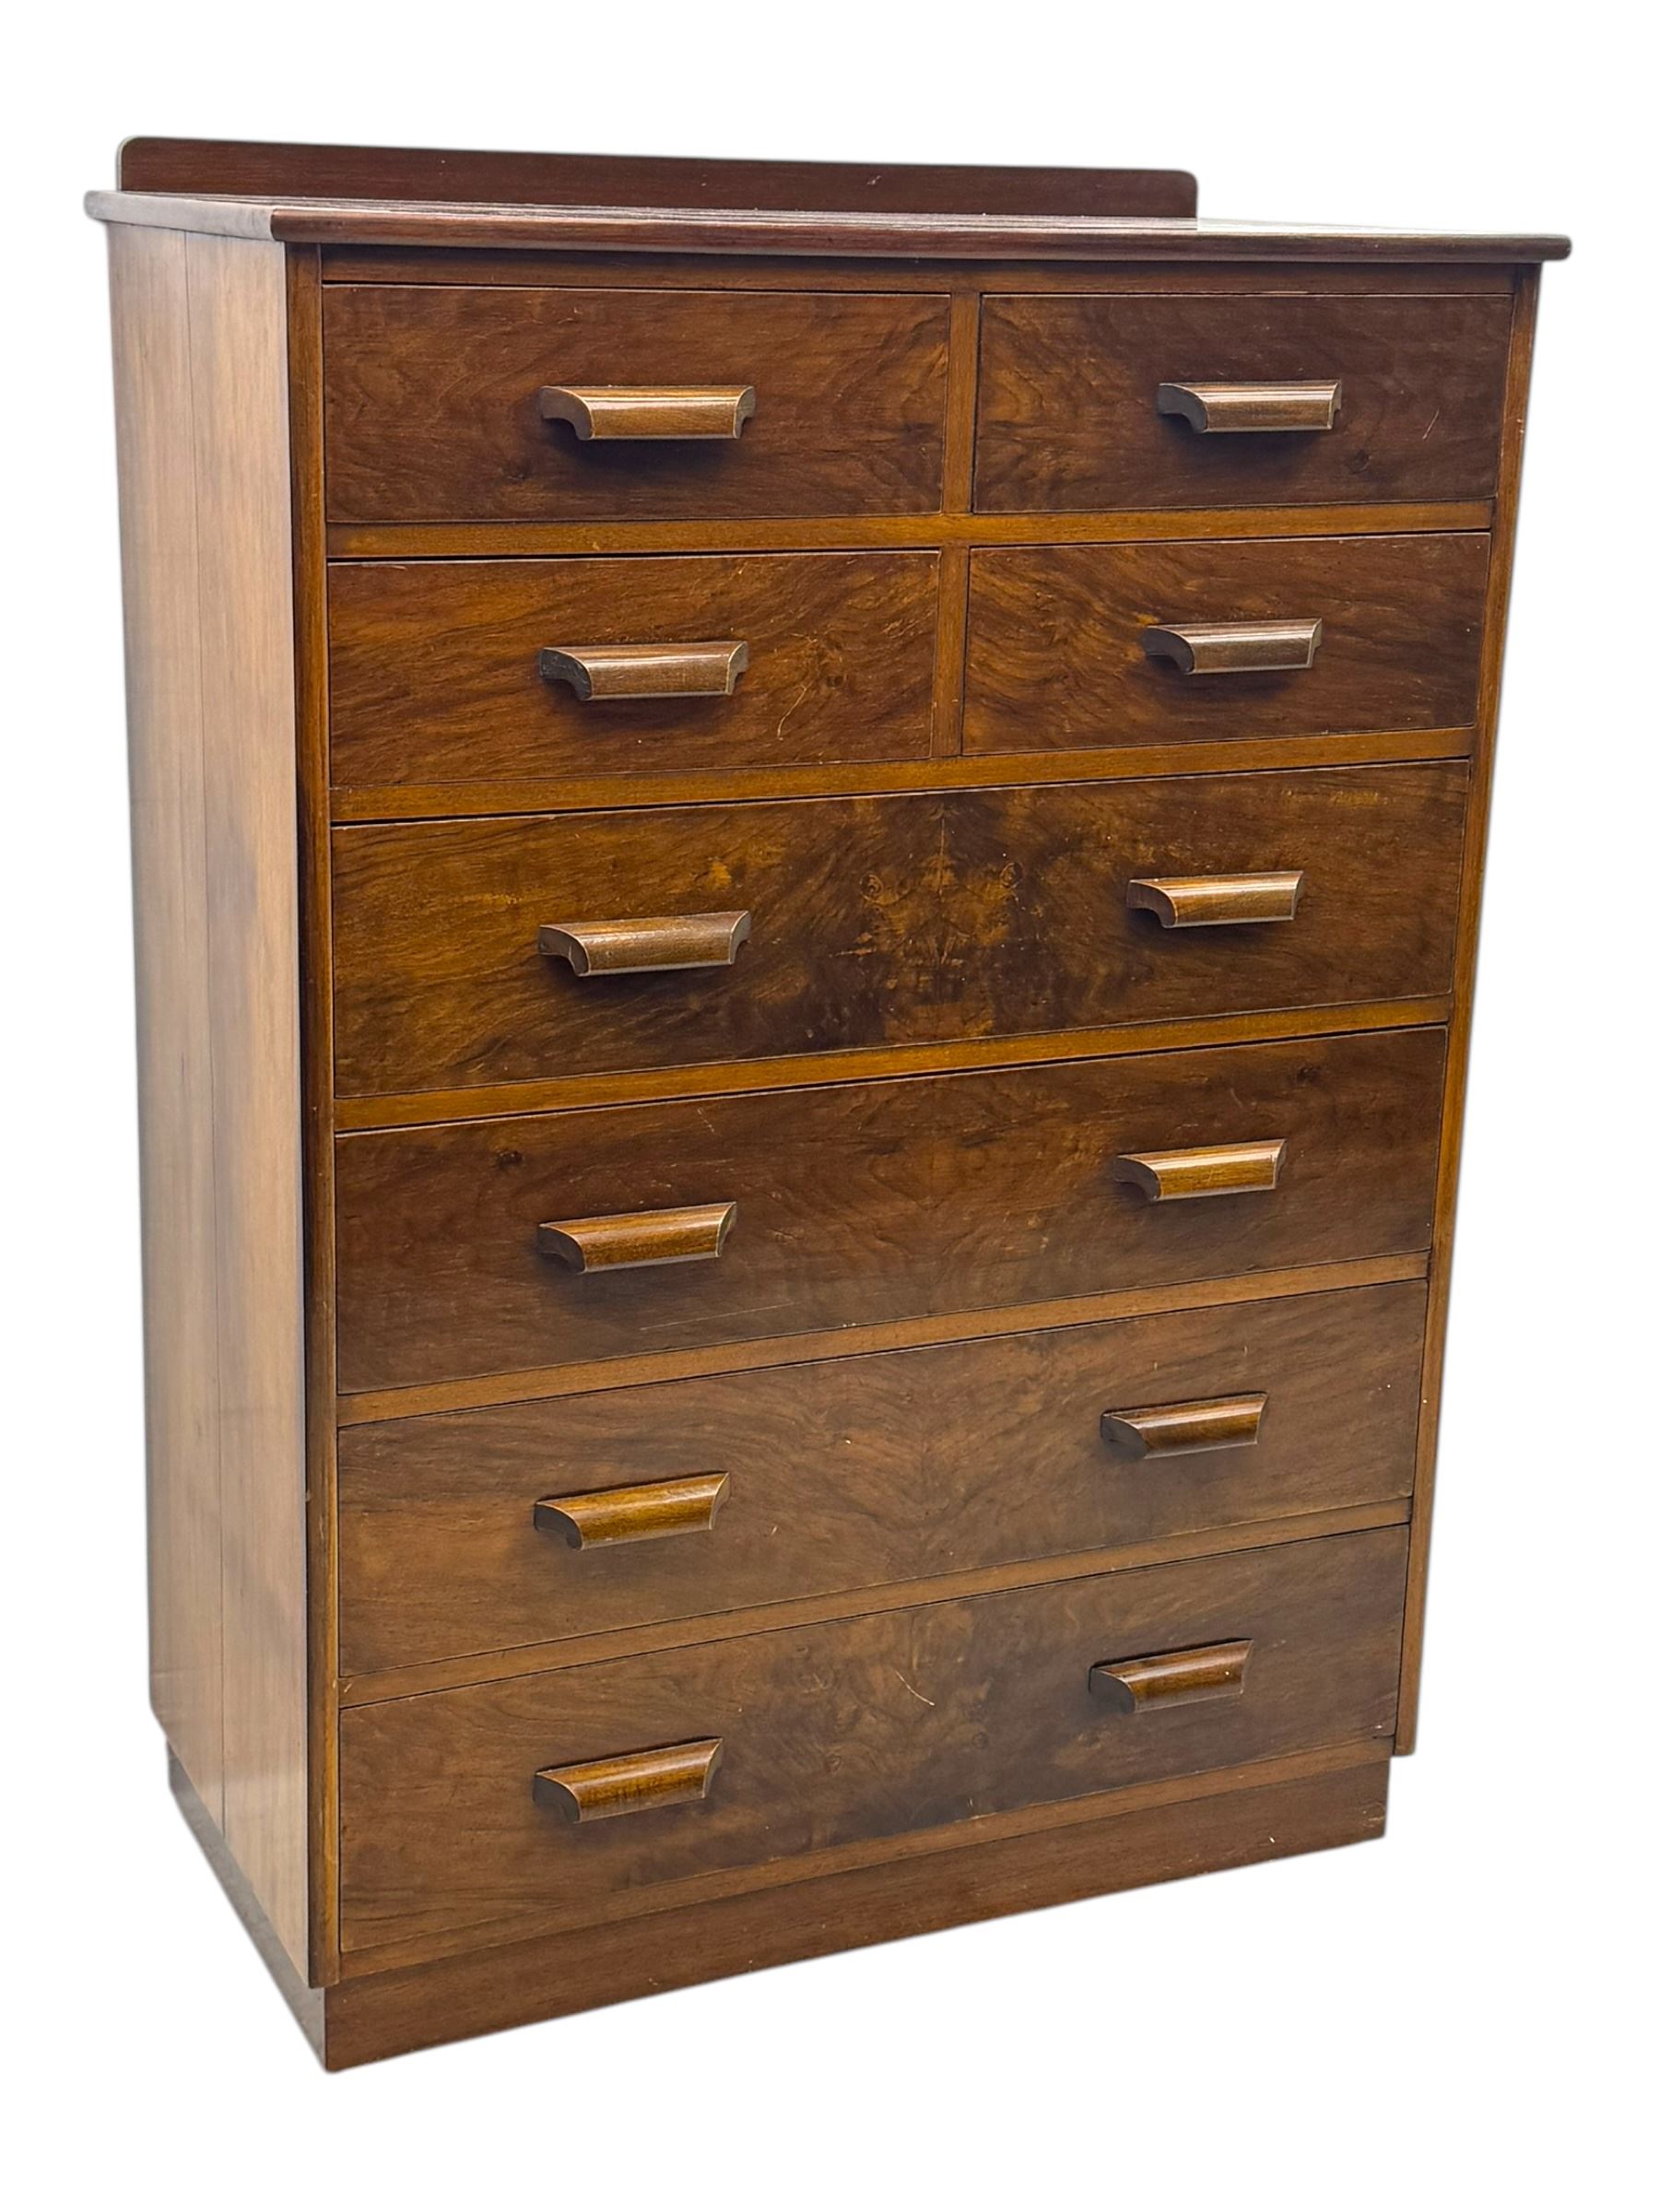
pixel 852 1474
pixel 872 1201
pixel 434 672
pixel 1068 412
pixel 1057 654
pixel 433 403
pixel 939 918
pixel 848 1734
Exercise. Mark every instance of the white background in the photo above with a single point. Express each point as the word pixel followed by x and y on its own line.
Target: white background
pixel 1453 2015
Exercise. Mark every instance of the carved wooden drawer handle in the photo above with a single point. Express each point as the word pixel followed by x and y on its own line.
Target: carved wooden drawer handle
pixel 1233 648
pixel 709 670
pixel 636 1514
pixel 1213 1670
pixel 646 948
pixel 1311 406
pixel 639 1781
pixel 666 1239
pixel 1203 1171
pixel 650 410
pixel 1169 1431
pixel 1211 901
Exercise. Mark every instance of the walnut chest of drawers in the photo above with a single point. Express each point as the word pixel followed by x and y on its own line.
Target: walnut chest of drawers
pixel 808 849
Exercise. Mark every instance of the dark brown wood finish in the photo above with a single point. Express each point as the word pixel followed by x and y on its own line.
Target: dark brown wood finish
pixel 963 1710
pixel 435 677
pixel 826 669
pixel 254 168
pixel 1056 654
pixel 1154 1833
pixel 880 920
pixel 433 414
pixel 1069 413
pixel 872 1201
pixel 853 1474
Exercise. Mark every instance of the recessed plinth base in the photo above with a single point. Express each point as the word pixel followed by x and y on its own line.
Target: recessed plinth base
pixel 1228 1819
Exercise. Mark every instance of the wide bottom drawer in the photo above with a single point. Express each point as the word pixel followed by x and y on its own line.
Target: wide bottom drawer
pixel 562 1799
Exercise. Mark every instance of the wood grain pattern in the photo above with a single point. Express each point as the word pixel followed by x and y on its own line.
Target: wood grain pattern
pixel 880 921
pixel 213 729
pixel 853 1474
pixel 667 1237
pixel 1525 307
pixel 650 410
pixel 1068 415
pixel 1132 1836
pixel 634 1782
pixel 435 671
pixel 870 1202
pixel 706 669
pixel 160 571
pixel 963 1710
pixel 432 410
pixel 643 1513
pixel 1203 1171
pixel 1055 654
pixel 1176 1432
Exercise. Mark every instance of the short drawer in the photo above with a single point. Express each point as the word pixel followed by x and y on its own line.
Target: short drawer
pixel 1073 645
pixel 1073 394
pixel 543 1239
pixel 876 921
pixel 806 1749
pixel 476 671
pixel 434 406
pixel 473 1532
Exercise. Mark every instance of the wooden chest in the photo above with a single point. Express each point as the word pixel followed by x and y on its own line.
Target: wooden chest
pixel 807 853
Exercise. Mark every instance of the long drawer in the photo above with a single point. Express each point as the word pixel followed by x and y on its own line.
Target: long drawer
pixel 434 406
pixel 945 916
pixel 1070 391
pixel 1059 635
pixel 461 1248
pixel 436 669
pixel 612 1509
pixel 718 1760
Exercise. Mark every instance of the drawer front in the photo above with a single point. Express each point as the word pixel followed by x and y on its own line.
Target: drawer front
pixel 433 408
pixel 1069 414
pixel 876 921
pixel 848 1475
pixel 866 1202
pixel 1058 638
pixel 839 1737
pixel 435 667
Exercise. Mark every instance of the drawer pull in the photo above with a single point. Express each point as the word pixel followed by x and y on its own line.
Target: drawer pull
pixel 709 670
pixel 1213 902
pixel 666 1239
pixel 637 1514
pixel 646 948
pixel 639 1781
pixel 1203 1171
pixel 1169 1431
pixel 650 410
pixel 1233 648
pixel 1213 1670
pixel 1252 407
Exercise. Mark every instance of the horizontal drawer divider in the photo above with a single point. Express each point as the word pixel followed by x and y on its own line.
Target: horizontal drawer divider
pixel 883 1336
pixel 981 771
pixel 1069 1812
pixel 417 540
pixel 389 1682
pixel 810 1071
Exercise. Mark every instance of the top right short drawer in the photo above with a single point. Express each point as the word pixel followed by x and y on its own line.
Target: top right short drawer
pixel 1073 413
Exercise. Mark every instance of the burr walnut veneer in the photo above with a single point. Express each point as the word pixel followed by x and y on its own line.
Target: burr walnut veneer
pixel 808 847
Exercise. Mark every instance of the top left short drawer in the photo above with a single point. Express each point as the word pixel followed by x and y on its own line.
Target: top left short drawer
pixel 433 407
